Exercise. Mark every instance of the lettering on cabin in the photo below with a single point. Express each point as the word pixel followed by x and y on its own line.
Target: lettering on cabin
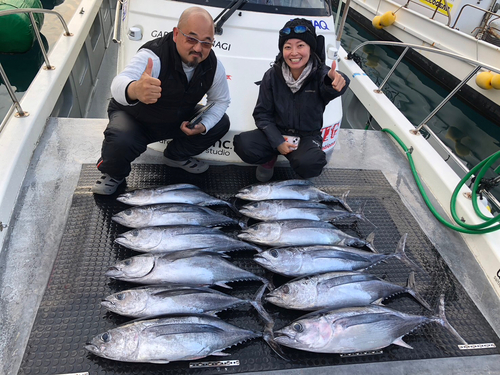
pixel 158 33
pixel 497 277
pixel 223 46
pixel 322 25
pixel 330 135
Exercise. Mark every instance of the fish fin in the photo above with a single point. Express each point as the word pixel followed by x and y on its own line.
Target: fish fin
pixel 342 278
pixel 399 341
pixel 441 319
pixel 220 354
pixel 173 329
pixel 291 182
pixel 223 285
pixel 378 302
pixel 411 289
pixel 401 255
pixel 159 362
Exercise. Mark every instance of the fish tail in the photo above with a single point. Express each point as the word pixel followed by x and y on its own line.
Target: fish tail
pixel 411 288
pixel 441 319
pixel 369 242
pixel 401 255
pixel 233 208
pixel 243 221
pixel 257 304
pixel 361 215
pixel 268 334
pixel 343 201
pixel 268 337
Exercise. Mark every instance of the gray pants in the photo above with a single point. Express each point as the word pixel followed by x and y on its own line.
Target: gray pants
pixel 125 139
pixel 307 160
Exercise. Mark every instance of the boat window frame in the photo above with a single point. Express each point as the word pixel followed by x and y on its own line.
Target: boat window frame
pixel 264 8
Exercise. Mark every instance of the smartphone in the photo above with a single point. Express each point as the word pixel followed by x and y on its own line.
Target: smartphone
pixel 198 115
pixel 293 140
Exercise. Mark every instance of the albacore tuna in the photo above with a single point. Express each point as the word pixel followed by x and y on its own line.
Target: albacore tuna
pixel 171 214
pixel 339 289
pixel 155 300
pixel 283 209
pixel 296 261
pixel 289 189
pixel 175 193
pixel 183 267
pixel 180 237
pixel 167 339
pixel 355 329
pixel 297 232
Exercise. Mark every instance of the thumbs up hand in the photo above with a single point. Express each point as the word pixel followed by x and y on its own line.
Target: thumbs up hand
pixel 147 89
pixel 338 82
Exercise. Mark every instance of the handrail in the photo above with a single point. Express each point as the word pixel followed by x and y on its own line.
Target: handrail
pixel 475 7
pixel 37 10
pixel 12 94
pixel 477 66
pixel 425 6
pixel 428 49
pixel 117 19
pixel 47 66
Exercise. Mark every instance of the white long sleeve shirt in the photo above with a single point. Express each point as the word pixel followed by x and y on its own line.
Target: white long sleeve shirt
pixel 218 92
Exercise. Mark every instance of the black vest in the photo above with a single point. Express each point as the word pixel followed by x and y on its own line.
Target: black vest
pixel 178 96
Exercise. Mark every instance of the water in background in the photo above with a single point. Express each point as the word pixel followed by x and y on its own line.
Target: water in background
pixel 22 68
pixel 466 132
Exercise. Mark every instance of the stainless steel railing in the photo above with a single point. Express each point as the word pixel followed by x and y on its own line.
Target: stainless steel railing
pixel 477 66
pixel 47 66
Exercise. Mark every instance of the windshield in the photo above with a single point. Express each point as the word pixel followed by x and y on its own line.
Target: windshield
pixel 295 7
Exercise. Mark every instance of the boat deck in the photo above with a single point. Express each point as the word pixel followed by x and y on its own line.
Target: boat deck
pixel 43 208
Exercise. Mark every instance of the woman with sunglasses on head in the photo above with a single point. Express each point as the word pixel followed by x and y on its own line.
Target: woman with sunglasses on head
pixel 293 95
pixel 158 93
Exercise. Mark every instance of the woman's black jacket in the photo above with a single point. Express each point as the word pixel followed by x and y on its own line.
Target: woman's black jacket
pixel 279 111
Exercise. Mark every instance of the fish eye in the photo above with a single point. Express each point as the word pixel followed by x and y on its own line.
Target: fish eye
pixel 128 212
pixel 298 327
pixel 135 233
pixel 274 253
pixel 106 337
pixel 285 289
pixel 127 262
pixel 120 296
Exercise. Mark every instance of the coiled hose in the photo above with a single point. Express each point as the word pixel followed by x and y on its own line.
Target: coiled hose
pixel 485 227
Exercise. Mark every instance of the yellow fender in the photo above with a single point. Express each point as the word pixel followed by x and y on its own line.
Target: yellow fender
pixel 483 80
pixel 387 19
pixel 495 82
pixel 376 22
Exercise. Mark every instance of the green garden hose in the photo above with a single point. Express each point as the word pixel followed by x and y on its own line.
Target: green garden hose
pixel 486 226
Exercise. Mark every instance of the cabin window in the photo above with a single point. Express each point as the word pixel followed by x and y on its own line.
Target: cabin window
pixel 295 7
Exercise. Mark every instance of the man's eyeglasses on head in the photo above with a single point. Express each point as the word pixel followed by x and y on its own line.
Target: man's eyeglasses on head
pixel 297 30
pixel 193 41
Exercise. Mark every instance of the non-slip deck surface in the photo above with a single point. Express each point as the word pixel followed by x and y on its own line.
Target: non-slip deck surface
pixel 70 313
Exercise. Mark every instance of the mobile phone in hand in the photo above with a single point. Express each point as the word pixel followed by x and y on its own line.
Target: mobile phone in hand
pixel 293 140
pixel 198 115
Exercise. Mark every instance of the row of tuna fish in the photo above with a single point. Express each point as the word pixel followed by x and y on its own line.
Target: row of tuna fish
pixel 185 254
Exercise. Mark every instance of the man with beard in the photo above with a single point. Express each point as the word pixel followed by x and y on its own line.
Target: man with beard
pixel 155 96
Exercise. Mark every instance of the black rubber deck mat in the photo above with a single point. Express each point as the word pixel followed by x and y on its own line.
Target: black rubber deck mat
pixel 70 313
